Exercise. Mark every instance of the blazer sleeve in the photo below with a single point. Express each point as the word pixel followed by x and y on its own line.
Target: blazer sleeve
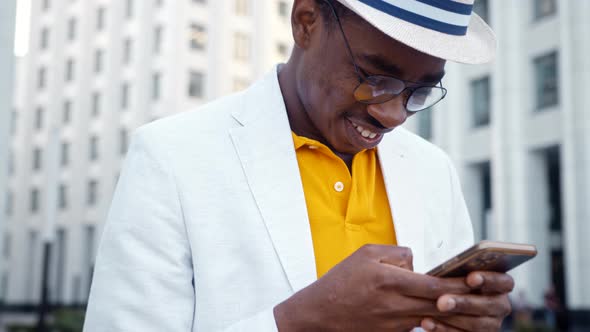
pixel 143 275
pixel 143 278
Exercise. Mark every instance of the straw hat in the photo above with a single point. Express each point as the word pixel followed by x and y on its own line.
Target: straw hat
pixel 447 29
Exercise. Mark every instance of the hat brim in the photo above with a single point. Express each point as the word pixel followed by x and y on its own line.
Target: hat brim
pixel 477 46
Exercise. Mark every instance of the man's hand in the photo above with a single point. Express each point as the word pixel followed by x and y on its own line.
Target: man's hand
pixel 482 310
pixel 372 290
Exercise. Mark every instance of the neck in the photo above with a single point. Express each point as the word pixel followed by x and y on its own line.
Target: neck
pixel 299 120
pixel 297 112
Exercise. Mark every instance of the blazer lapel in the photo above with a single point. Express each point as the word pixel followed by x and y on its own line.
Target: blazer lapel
pixel 404 197
pixel 265 147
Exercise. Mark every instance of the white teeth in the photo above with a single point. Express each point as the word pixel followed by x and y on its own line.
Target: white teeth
pixel 364 132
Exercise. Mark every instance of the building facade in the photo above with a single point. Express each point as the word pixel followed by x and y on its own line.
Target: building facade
pixel 7 26
pixel 519 134
pixel 95 71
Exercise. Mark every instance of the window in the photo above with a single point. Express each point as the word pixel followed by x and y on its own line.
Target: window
pixel 33 263
pixel 98 57
pixel 123 141
pixel 62 196
pixel 156 81
pixel 127 50
pixel 546 80
pixel 480 101
pixel 69 70
pixel 198 37
pixel 65 154
pixel 60 266
pixel 44 38
pixel 100 18
pixel 9 204
pixel 425 123
pixel 481 8
pixel 241 46
pixel 96 99
pixel 93 152
pixel 92 192
pixel 158 39
pixel 34 200
pixel 41 78
pixel 4 285
pixel 283 9
pixel 37 159
pixel 7 246
pixel 129 9
pixel 39 118
pixel 241 7
pixel 195 87
pixel 67 112
pixel 72 29
pixel 89 244
pixel 125 96
pixel 13 122
pixel 544 8
pixel 10 162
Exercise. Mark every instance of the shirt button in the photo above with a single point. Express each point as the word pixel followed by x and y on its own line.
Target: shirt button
pixel 339 186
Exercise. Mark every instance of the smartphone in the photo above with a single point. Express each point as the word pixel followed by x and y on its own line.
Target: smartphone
pixel 486 256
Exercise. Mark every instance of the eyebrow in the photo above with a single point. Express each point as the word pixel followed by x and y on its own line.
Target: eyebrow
pixel 381 64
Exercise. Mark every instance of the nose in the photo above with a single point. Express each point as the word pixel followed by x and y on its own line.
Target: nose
pixel 391 113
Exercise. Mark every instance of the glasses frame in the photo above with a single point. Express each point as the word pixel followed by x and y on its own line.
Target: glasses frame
pixel 364 78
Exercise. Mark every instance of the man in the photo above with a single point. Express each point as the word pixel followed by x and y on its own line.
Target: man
pixel 301 204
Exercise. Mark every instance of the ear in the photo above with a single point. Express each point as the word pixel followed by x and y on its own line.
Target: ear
pixel 306 20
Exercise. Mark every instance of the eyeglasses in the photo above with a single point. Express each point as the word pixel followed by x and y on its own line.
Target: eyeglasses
pixel 378 89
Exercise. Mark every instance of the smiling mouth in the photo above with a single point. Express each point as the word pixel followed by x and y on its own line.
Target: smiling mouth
pixel 366 133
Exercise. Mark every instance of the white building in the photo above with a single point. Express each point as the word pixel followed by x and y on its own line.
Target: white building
pixel 97 69
pixel 7 25
pixel 519 132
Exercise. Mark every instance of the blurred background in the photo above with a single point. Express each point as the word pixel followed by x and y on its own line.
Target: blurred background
pixel 78 76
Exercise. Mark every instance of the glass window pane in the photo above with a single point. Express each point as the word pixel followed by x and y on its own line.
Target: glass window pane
pixel 546 80
pixel 480 101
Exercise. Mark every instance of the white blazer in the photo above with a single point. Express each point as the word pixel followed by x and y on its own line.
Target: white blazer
pixel 208 228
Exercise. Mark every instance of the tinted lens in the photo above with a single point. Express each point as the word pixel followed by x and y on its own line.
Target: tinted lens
pixel 378 89
pixel 424 97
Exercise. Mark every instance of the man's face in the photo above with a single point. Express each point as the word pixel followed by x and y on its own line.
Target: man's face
pixel 327 80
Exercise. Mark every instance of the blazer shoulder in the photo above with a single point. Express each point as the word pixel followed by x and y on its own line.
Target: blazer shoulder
pixel 206 121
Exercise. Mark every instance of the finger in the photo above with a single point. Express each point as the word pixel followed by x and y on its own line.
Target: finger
pixel 393 255
pixel 419 285
pixel 471 323
pixel 490 282
pixel 431 325
pixel 401 324
pixel 476 305
pixel 412 307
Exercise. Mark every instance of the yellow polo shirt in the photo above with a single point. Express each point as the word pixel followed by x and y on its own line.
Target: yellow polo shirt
pixel 345 211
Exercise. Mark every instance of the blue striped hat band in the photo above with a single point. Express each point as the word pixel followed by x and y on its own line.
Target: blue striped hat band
pixel 446 16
